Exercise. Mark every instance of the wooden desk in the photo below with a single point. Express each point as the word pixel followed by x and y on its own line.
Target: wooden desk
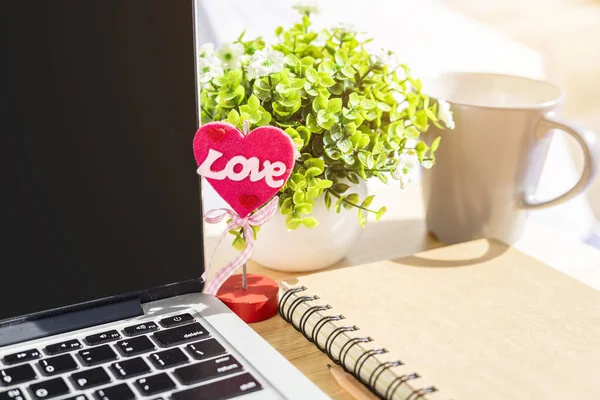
pixel 400 233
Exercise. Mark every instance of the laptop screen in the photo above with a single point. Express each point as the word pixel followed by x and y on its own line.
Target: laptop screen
pixel 101 196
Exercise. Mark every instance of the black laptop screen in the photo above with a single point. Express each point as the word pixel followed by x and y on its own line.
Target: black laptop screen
pixel 100 195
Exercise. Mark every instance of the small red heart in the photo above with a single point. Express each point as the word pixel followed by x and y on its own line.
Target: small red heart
pixel 261 162
pixel 248 201
pixel 216 134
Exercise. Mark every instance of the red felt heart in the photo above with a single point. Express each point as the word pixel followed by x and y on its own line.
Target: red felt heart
pixel 246 171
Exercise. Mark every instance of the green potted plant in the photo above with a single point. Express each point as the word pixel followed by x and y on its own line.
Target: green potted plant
pixel 354 113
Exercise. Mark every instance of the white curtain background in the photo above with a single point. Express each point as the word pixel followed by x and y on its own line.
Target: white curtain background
pixel 430 38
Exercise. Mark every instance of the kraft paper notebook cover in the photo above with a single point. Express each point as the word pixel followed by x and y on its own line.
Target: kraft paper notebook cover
pixel 479 320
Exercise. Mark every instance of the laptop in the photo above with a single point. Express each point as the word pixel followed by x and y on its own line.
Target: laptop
pixel 102 232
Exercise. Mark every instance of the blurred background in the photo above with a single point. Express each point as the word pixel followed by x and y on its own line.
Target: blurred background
pixel 555 40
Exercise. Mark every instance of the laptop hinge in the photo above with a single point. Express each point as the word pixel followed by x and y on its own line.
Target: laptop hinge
pixel 69 321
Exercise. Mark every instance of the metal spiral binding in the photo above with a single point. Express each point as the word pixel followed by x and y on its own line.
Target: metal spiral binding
pixel 304 319
pixel 371 382
pixel 331 338
pixel 295 305
pixel 379 370
pixel 391 390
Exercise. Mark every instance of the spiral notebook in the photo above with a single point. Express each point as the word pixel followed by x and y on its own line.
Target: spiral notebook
pixel 479 320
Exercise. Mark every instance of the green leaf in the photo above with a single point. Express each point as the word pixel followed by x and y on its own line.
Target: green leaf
pixel 431 115
pixel 239 243
pixel 233 117
pixel 351 201
pixel 313 171
pixel 253 102
pixel 435 144
pixel 327 66
pixel 324 183
pixel 312 75
pixel 367 202
pixel 363 142
pixel 298 197
pixel 292 60
pixel 334 105
pixel 255 230
pixel 368 104
pixel 370 161
pixel 338 204
pixel 411 132
pixel 310 222
pixel 327 201
pixel 362 158
pixel 303 208
pixel 326 80
pixel 353 178
pixel 354 99
pixel 340 58
pixel 287 206
pixel 308 61
pixel 320 103
pixel 380 213
pixel 293 224
pixel 313 193
pixel 316 163
pixel 384 107
pixel 345 145
pixel 362 220
pixel 340 187
pixel 311 124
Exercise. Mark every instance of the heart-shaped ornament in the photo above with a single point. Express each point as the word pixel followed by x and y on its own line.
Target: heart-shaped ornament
pixel 246 171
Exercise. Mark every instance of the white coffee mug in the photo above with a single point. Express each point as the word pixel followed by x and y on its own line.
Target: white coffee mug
pixel 488 167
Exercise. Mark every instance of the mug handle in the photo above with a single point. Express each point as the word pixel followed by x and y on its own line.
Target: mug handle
pixel 588 142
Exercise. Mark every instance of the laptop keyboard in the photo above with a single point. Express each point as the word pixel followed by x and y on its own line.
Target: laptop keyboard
pixel 176 358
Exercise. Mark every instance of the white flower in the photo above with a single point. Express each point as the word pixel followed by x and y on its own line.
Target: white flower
pixel 345 28
pixel 265 62
pixel 444 113
pixel 206 50
pixel 208 68
pixel 407 163
pixel 386 57
pixel 231 55
pixel 306 7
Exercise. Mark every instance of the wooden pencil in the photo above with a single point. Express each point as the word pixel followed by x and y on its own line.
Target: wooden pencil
pixel 354 388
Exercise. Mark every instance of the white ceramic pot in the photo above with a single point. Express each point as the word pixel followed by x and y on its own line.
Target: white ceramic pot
pixel 307 249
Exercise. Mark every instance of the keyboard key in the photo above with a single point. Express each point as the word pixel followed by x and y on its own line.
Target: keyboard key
pixel 176 320
pixel 206 370
pixel 90 378
pixel 58 365
pixel 129 368
pixel 104 337
pixel 206 349
pixel 140 328
pixel 63 347
pixel 225 389
pixel 133 347
pixel 119 392
pixel 12 394
pixel 182 334
pixel 78 397
pixel 150 385
pixel 168 358
pixel 97 355
pixel 21 356
pixel 49 389
pixel 14 375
